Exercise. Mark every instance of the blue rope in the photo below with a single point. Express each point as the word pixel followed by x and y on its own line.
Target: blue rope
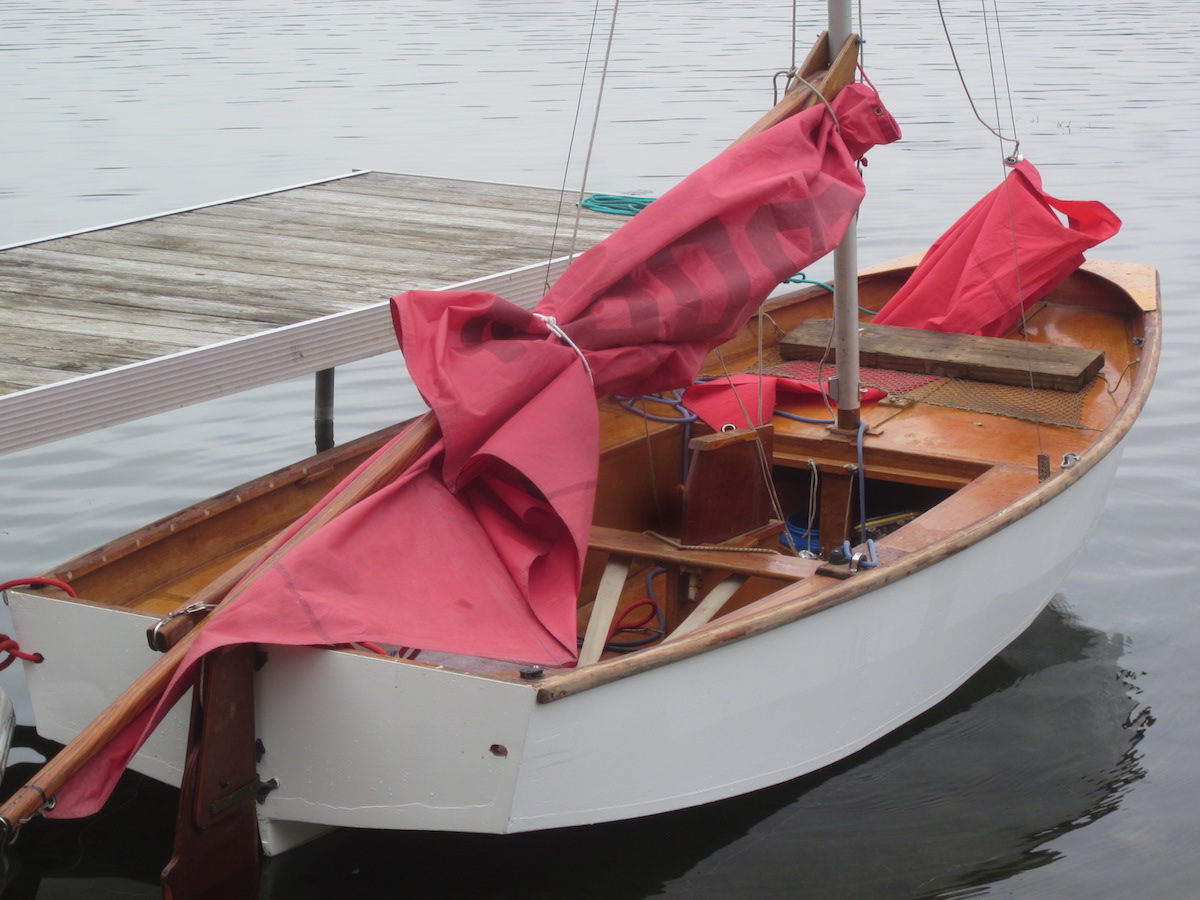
pixel 801 278
pixel 686 417
pixel 675 400
pixel 862 505
pixel 617 204
pixel 788 415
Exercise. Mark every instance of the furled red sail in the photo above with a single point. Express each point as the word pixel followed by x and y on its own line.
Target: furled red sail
pixel 1005 254
pixel 478 548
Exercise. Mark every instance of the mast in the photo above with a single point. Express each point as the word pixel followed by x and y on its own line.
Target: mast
pixel 845 274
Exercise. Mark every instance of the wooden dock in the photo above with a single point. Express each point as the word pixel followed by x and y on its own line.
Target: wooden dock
pixel 124 321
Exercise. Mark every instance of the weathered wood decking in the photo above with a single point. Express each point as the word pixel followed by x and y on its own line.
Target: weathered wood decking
pixel 124 321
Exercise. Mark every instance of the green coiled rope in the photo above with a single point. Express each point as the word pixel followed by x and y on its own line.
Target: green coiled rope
pixel 617 204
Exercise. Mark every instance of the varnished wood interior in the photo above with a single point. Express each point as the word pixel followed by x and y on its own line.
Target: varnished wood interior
pixel 166 563
pixel 960 469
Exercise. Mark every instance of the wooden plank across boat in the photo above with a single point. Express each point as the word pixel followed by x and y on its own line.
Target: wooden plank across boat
pixel 971 356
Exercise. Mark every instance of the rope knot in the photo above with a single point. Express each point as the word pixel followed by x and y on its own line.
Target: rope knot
pixel 14 651
pixel 555 329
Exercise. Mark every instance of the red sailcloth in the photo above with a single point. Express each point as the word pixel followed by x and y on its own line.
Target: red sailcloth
pixel 478 548
pixel 1005 254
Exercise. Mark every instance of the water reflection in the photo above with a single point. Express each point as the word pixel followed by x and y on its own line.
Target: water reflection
pixel 1040 742
pixel 1044 740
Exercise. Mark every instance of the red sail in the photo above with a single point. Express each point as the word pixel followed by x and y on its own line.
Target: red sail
pixel 478 549
pixel 1005 254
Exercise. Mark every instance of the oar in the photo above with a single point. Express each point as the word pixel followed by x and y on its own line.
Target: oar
pixel 37 792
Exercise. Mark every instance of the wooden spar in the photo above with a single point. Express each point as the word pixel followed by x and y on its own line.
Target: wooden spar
pixel 35 794
pixel 822 71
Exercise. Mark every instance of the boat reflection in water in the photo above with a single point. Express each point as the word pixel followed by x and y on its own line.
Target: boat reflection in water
pixel 1040 742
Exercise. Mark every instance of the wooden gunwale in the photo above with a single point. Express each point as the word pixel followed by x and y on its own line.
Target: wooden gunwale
pixel 176 523
pixel 812 592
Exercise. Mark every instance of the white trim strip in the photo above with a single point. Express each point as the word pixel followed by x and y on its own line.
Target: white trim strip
pixel 90 402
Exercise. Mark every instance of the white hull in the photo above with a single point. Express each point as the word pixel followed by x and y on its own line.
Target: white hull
pixel 355 740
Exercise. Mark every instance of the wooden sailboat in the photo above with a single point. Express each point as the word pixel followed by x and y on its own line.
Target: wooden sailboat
pixel 942 519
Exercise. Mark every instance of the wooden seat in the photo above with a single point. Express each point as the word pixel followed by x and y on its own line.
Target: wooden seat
pixel 647 547
pixel 733 565
pixel 994 360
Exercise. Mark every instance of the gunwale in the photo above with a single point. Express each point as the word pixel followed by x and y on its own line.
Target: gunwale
pixel 992 489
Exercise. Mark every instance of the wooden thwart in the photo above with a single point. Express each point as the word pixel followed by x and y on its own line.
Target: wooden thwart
pixel 994 360
pixel 644 546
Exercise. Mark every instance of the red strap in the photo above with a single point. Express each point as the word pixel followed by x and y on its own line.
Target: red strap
pixel 38 582
pixel 14 651
pixel 10 646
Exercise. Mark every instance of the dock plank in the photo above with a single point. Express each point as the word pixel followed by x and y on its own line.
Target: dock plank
pixel 81 282
pixel 253 269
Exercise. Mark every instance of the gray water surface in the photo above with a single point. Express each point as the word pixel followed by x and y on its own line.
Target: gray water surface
pixel 1067 768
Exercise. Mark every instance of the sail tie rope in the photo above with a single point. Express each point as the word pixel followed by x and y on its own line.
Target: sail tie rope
pixel 14 651
pixel 552 323
pixel 9 645
pixel 38 582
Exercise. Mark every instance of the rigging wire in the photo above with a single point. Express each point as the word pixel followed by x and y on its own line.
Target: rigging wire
pixel 1012 116
pixel 587 162
pixel 562 191
pixel 967 91
pixel 1007 161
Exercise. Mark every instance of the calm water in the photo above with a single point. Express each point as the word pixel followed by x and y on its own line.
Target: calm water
pixel 1067 768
